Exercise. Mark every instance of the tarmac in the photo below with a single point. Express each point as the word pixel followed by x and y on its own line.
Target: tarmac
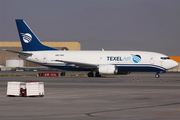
pixel 138 96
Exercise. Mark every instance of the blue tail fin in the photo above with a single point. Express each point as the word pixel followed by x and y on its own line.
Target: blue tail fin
pixel 29 41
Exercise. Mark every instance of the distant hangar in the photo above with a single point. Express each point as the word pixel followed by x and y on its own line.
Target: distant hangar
pixel 16 46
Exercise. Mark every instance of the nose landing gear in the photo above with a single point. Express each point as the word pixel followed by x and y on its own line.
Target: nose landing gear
pixel 157 75
pixel 159 72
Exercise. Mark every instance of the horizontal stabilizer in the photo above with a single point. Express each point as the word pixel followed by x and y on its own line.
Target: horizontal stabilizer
pixel 17 52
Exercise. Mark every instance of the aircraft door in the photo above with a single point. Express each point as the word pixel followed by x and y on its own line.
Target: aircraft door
pixel 45 58
pixel 152 58
pixel 161 61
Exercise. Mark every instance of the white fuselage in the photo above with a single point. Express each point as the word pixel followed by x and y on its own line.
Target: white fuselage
pixel 124 60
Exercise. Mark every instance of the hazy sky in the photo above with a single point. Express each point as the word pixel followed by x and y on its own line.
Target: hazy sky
pixel 148 25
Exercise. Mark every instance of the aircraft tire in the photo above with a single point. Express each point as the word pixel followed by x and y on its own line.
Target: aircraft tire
pixel 63 73
pixel 157 75
pixel 97 74
pixel 90 74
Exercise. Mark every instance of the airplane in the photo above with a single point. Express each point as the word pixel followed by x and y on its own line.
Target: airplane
pixel 98 62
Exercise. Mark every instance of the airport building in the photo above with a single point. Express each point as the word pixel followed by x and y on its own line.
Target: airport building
pixel 6 56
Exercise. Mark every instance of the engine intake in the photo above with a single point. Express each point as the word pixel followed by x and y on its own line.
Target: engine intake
pixel 108 69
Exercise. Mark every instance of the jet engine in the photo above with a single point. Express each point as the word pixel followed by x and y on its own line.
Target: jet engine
pixel 108 69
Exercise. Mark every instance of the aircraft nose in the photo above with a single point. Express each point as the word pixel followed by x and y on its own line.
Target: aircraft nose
pixel 174 63
pixel 169 64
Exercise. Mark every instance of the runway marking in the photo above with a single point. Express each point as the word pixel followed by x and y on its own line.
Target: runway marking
pixel 89 114
pixel 163 114
pixel 156 116
pixel 115 110
pixel 167 113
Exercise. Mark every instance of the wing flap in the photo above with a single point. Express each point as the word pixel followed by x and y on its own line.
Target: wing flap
pixel 78 64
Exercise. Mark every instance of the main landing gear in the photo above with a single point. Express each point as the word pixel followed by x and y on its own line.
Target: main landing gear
pixel 97 74
pixel 91 74
pixel 63 73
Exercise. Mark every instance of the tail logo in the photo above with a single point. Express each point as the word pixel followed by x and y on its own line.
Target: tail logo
pixel 26 37
pixel 136 58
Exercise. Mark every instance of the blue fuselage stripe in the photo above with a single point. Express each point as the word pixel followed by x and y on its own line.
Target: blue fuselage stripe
pixel 121 67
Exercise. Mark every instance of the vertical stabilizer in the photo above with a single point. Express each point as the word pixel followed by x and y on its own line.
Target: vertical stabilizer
pixel 29 41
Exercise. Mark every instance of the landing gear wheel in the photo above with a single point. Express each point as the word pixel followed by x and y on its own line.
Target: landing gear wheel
pixel 97 74
pixel 90 74
pixel 63 73
pixel 157 75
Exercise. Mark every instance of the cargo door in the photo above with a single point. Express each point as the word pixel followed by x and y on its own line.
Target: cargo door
pixel 161 61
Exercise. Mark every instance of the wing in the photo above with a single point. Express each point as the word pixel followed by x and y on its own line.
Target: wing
pixel 18 52
pixel 78 64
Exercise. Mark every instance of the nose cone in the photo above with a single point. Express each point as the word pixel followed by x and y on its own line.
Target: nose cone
pixel 169 64
pixel 174 64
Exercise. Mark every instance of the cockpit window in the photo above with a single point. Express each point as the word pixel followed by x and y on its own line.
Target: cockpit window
pixel 165 58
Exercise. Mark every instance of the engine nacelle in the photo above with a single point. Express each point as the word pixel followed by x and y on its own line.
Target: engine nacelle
pixel 108 69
